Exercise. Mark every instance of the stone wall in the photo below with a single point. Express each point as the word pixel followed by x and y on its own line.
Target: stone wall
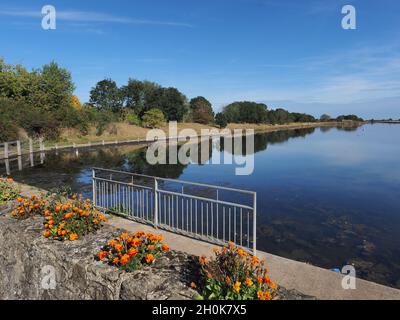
pixel 24 253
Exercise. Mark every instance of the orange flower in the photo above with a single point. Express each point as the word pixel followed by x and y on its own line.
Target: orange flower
pixel 10 180
pixel 215 249
pixel 230 244
pixel 58 209
pixel 125 259
pixel 259 279
pixel 87 200
pixel 260 294
pixel 124 236
pixel 19 199
pixel 193 285
pixel 249 282
pixel 165 247
pixel 202 260
pixel 139 234
pixel 151 247
pixel 149 258
pixel 236 286
pixel 228 280
pixel 118 247
pixel 241 252
pixel 132 252
pixel 266 279
pixel 68 215
pixel 254 260
pixel 32 197
pixel 136 241
pixel 273 285
pixel 73 196
pixel 47 233
pixel 73 236
pixel 115 260
pixel 102 254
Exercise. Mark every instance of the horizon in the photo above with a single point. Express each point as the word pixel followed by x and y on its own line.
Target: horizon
pixel 284 54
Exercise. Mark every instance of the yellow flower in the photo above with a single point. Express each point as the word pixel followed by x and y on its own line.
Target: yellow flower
pixel 236 286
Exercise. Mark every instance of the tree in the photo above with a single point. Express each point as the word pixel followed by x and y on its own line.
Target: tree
pixel 351 117
pixel 138 95
pixel 172 103
pixel 246 112
pixel 201 110
pixel 106 96
pixel 153 118
pixel 220 120
pixel 325 117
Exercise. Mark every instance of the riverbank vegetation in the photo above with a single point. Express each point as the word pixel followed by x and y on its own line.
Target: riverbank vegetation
pixel 8 190
pixel 41 103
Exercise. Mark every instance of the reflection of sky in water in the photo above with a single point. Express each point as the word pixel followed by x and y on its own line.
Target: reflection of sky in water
pixel 328 198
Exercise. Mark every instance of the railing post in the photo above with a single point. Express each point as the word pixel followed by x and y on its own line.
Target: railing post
pixel 30 145
pixel 155 202
pixel 6 150
pixel 93 187
pixel 255 223
pixel 19 152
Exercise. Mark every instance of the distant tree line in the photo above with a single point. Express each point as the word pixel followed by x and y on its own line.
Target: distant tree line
pixel 41 101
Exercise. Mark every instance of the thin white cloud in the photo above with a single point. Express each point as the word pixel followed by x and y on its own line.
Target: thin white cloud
pixel 94 17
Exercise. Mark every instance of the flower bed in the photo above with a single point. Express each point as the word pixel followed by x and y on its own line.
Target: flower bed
pixel 233 274
pixel 72 219
pixel 8 190
pixel 65 219
pixel 132 251
pixel 28 207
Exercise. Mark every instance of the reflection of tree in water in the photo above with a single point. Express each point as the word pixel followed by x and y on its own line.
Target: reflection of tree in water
pixel 137 163
pixel 70 168
pixel 262 140
pixel 325 129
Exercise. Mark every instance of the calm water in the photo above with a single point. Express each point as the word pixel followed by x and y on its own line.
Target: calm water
pixel 329 197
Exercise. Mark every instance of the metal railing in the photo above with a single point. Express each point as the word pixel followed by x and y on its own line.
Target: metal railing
pixel 212 213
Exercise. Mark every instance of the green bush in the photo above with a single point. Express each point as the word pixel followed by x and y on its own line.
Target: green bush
pixel 8 190
pixel 153 118
pixel 132 118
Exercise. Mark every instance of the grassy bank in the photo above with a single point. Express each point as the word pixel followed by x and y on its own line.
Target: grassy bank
pixel 123 131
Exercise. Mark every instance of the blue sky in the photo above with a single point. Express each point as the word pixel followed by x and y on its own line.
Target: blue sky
pixel 291 54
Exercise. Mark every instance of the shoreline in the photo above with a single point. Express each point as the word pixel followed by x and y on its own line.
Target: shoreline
pixel 105 141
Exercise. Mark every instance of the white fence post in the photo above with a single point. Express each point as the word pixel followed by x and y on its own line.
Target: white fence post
pixel 30 146
pixel 6 150
pixel 255 223
pixel 19 153
pixel 155 202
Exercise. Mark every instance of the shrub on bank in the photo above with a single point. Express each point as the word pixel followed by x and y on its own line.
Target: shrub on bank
pixel 132 251
pixel 233 274
pixel 8 190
